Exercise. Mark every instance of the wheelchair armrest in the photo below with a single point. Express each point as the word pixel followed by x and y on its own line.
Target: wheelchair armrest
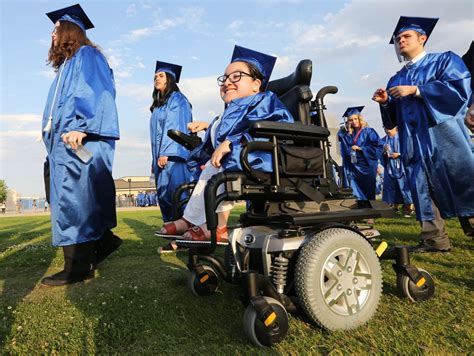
pixel 254 146
pixel 284 130
pixel 190 142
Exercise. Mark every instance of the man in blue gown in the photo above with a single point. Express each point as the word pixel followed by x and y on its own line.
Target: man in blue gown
pixel 343 138
pixel 427 99
pixel 395 185
pixel 80 127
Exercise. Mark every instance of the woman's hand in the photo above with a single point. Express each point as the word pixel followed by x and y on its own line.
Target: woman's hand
pixel 356 148
pixel 219 153
pixel 395 155
pixel 162 161
pixel 197 126
pixel 73 139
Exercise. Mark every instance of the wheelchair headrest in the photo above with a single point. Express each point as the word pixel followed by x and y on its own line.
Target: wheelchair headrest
pixel 301 76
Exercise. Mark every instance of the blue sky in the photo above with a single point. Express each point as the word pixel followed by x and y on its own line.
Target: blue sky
pixel 346 40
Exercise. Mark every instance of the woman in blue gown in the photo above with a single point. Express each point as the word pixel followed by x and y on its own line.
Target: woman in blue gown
pixel 364 153
pixel 395 185
pixel 427 100
pixel 170 110
pixel 80 127
pixel 242 90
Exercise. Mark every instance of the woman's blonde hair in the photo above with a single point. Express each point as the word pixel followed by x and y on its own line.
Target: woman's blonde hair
pixel 362 122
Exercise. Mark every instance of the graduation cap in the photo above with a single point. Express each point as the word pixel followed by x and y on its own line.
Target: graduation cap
pixel 170 68
pixel 353 110
pixel 423 25
pixel 73 14
pixel 263 62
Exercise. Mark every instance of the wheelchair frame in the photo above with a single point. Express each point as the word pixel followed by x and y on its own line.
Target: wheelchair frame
pixel 266 320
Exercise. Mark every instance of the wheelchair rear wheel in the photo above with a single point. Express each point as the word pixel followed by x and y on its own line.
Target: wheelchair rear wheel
pixel 204 283
pixel 338 279
pixel 266 333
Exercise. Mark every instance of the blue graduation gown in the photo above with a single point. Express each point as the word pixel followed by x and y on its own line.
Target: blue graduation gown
pixel 395 184
pixel 434 143
pixel 345 147
pixel 82 194
pixel 174 114
pixel 234 124
pixel 362 174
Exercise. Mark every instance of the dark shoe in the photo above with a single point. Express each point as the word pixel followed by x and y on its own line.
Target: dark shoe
pixel 431 246
pixel 106 245
pixel 62 278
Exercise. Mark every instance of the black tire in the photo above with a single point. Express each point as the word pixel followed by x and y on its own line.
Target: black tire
pixel 338 279
pixel 204 285
pixel 411 291
pixel 261 335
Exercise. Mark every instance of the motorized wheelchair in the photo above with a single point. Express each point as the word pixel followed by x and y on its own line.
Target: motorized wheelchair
pixel 300 244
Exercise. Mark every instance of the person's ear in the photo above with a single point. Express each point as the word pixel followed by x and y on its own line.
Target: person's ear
pixel 257 83
pixel 422 39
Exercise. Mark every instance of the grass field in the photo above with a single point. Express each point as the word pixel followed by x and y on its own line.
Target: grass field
pixel 139 302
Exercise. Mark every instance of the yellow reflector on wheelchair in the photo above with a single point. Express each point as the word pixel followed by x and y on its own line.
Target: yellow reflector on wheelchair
pixel 421 282
pixel 270 319
pixel 204 278
pixel 381 249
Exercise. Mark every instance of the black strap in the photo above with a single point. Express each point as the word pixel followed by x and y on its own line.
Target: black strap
pixel 308 191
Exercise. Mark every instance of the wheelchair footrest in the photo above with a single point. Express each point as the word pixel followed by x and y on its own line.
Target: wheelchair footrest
pixel 197 244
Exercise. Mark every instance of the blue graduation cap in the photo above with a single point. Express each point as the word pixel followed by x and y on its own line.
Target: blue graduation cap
pixel 263 62
pixel 423 25
pixel 354 110
pixel 170 68
pixel 74 14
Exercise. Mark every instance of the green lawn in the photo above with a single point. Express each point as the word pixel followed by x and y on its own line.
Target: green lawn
pixel 139 302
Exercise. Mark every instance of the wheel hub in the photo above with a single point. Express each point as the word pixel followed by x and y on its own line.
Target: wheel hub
pixel 346 281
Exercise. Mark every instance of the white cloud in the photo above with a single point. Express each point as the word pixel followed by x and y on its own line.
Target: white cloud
pixel 20 118
pixel 122 74
pixel 47 73
pixel 234 25
pixel 140 33
pixel 136 91
pixel 131 10
pixel 114 61
pixel 44 42
pixel 20 134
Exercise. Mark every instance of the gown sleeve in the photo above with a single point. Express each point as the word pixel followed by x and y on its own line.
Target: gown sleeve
pixel 269 108
pixel 388 111
pixel 372 146
pixel 445 96
pixel 94 95
pixel 178 115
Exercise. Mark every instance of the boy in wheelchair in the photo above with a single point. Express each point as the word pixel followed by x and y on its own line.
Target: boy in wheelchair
pixel 242 89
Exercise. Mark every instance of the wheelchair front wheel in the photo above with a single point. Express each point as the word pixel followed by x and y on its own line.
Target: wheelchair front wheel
pixel 203 284
pixel 411 291
pixel 338 279
pixel 266 332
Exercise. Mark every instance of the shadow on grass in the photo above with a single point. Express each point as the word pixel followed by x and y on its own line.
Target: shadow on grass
pixel 14 233
pixel 21 267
